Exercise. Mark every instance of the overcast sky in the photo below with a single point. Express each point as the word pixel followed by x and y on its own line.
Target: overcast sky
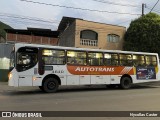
pixel 21 14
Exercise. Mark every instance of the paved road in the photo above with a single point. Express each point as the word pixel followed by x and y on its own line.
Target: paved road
pixel 81 98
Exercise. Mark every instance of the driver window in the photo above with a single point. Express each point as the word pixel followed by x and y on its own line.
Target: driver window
pixel 23 59
pixel 26 58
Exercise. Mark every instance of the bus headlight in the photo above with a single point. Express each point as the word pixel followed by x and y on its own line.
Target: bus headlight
pixel 9 76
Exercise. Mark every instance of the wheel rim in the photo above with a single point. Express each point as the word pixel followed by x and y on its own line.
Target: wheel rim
pixel 126 83
pixel 51 85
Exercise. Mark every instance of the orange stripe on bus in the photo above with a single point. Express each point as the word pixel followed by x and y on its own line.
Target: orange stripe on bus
pixel 100 70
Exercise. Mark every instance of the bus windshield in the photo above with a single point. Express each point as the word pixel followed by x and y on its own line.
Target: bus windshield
pixel 12 60
pixel 26 58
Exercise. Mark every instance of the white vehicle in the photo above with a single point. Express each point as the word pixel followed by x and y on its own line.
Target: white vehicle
pixel 51 66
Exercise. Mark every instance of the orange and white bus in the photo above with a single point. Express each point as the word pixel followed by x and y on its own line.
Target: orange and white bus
pixel 51 66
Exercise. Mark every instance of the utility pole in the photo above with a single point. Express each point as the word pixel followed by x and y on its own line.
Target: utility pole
pixel 143 5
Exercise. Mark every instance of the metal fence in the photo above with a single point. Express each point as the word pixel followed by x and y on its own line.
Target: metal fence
pixel 5 50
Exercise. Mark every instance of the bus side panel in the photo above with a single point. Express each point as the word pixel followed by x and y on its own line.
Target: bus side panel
pixel 25 78
pixel 56 70
pixel 13 81
pixel 115 79
pixel 146 74
pixel 158 73
pixel 77 79
pixel 60 71
pixel 100 79
pixel 84 79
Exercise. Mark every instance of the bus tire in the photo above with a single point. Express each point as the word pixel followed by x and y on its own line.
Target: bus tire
pixel 125 83
pixel 50 85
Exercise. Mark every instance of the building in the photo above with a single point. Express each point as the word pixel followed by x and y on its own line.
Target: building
pixel 2 31
pixel 5 50
pixel 32 35
pixel 81 33
pixel 2 39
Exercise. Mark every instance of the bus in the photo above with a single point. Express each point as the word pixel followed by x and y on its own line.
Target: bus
pixel 51 66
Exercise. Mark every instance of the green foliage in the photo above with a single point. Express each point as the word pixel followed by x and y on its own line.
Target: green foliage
pixel 2 27
pixel 144 34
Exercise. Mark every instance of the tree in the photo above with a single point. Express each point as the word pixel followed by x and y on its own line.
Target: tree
pixel 143 34
pixel 2 27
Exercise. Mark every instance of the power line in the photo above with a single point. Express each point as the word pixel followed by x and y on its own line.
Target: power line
pixel 26 18
pixel 154 6
pixel 22 21
pixel 68 7
pixel 119 4
pixel 157 11
pixel 27 23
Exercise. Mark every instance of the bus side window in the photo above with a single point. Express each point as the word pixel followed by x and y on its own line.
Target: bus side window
pixel 139 60
pixel 95 58
pixel 76 57
pixel 125 60
pixel 107 59
pixel 114 59
pixel 56 57
pixel 151 60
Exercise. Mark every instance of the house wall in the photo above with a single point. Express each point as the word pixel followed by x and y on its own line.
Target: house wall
pixel 103 30
pixel 2 40
pixel 67 38
pixel 31 39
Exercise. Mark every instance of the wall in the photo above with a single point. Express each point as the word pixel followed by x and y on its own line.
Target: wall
pixel 2 40
pixel 4 68
pixel 31 39
pixel 67 38
pixel 5 50
pixel 103 30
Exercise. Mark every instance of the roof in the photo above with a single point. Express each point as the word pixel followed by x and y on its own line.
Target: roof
pixel 82 49
pixel 69 20
pixel 65 21
pixel 35 31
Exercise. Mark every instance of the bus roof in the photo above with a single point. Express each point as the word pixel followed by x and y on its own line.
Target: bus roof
pixel 80 49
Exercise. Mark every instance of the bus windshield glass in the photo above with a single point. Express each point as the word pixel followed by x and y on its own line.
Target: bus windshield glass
pixel 26 58
pixel 12 60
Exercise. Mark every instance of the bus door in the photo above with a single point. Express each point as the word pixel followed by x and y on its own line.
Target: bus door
pixel 25 65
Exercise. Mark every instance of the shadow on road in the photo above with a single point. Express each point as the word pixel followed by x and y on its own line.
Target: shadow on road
pixel 102 88
pixel 71 89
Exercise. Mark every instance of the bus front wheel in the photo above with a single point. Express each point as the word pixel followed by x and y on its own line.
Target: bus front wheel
pixel 50 85
pixel 125 83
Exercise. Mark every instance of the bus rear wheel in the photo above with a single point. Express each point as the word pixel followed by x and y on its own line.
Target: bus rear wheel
pixel 50 85
pixel 125 83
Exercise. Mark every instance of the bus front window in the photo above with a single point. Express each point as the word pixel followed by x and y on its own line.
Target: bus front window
pixel 23 59
pixel 12 60
pixel 26 58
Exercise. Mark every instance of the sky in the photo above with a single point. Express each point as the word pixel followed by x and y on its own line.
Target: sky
pixel 47 14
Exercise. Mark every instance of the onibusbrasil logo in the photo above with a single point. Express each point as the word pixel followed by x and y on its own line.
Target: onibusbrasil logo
pixel 21 114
